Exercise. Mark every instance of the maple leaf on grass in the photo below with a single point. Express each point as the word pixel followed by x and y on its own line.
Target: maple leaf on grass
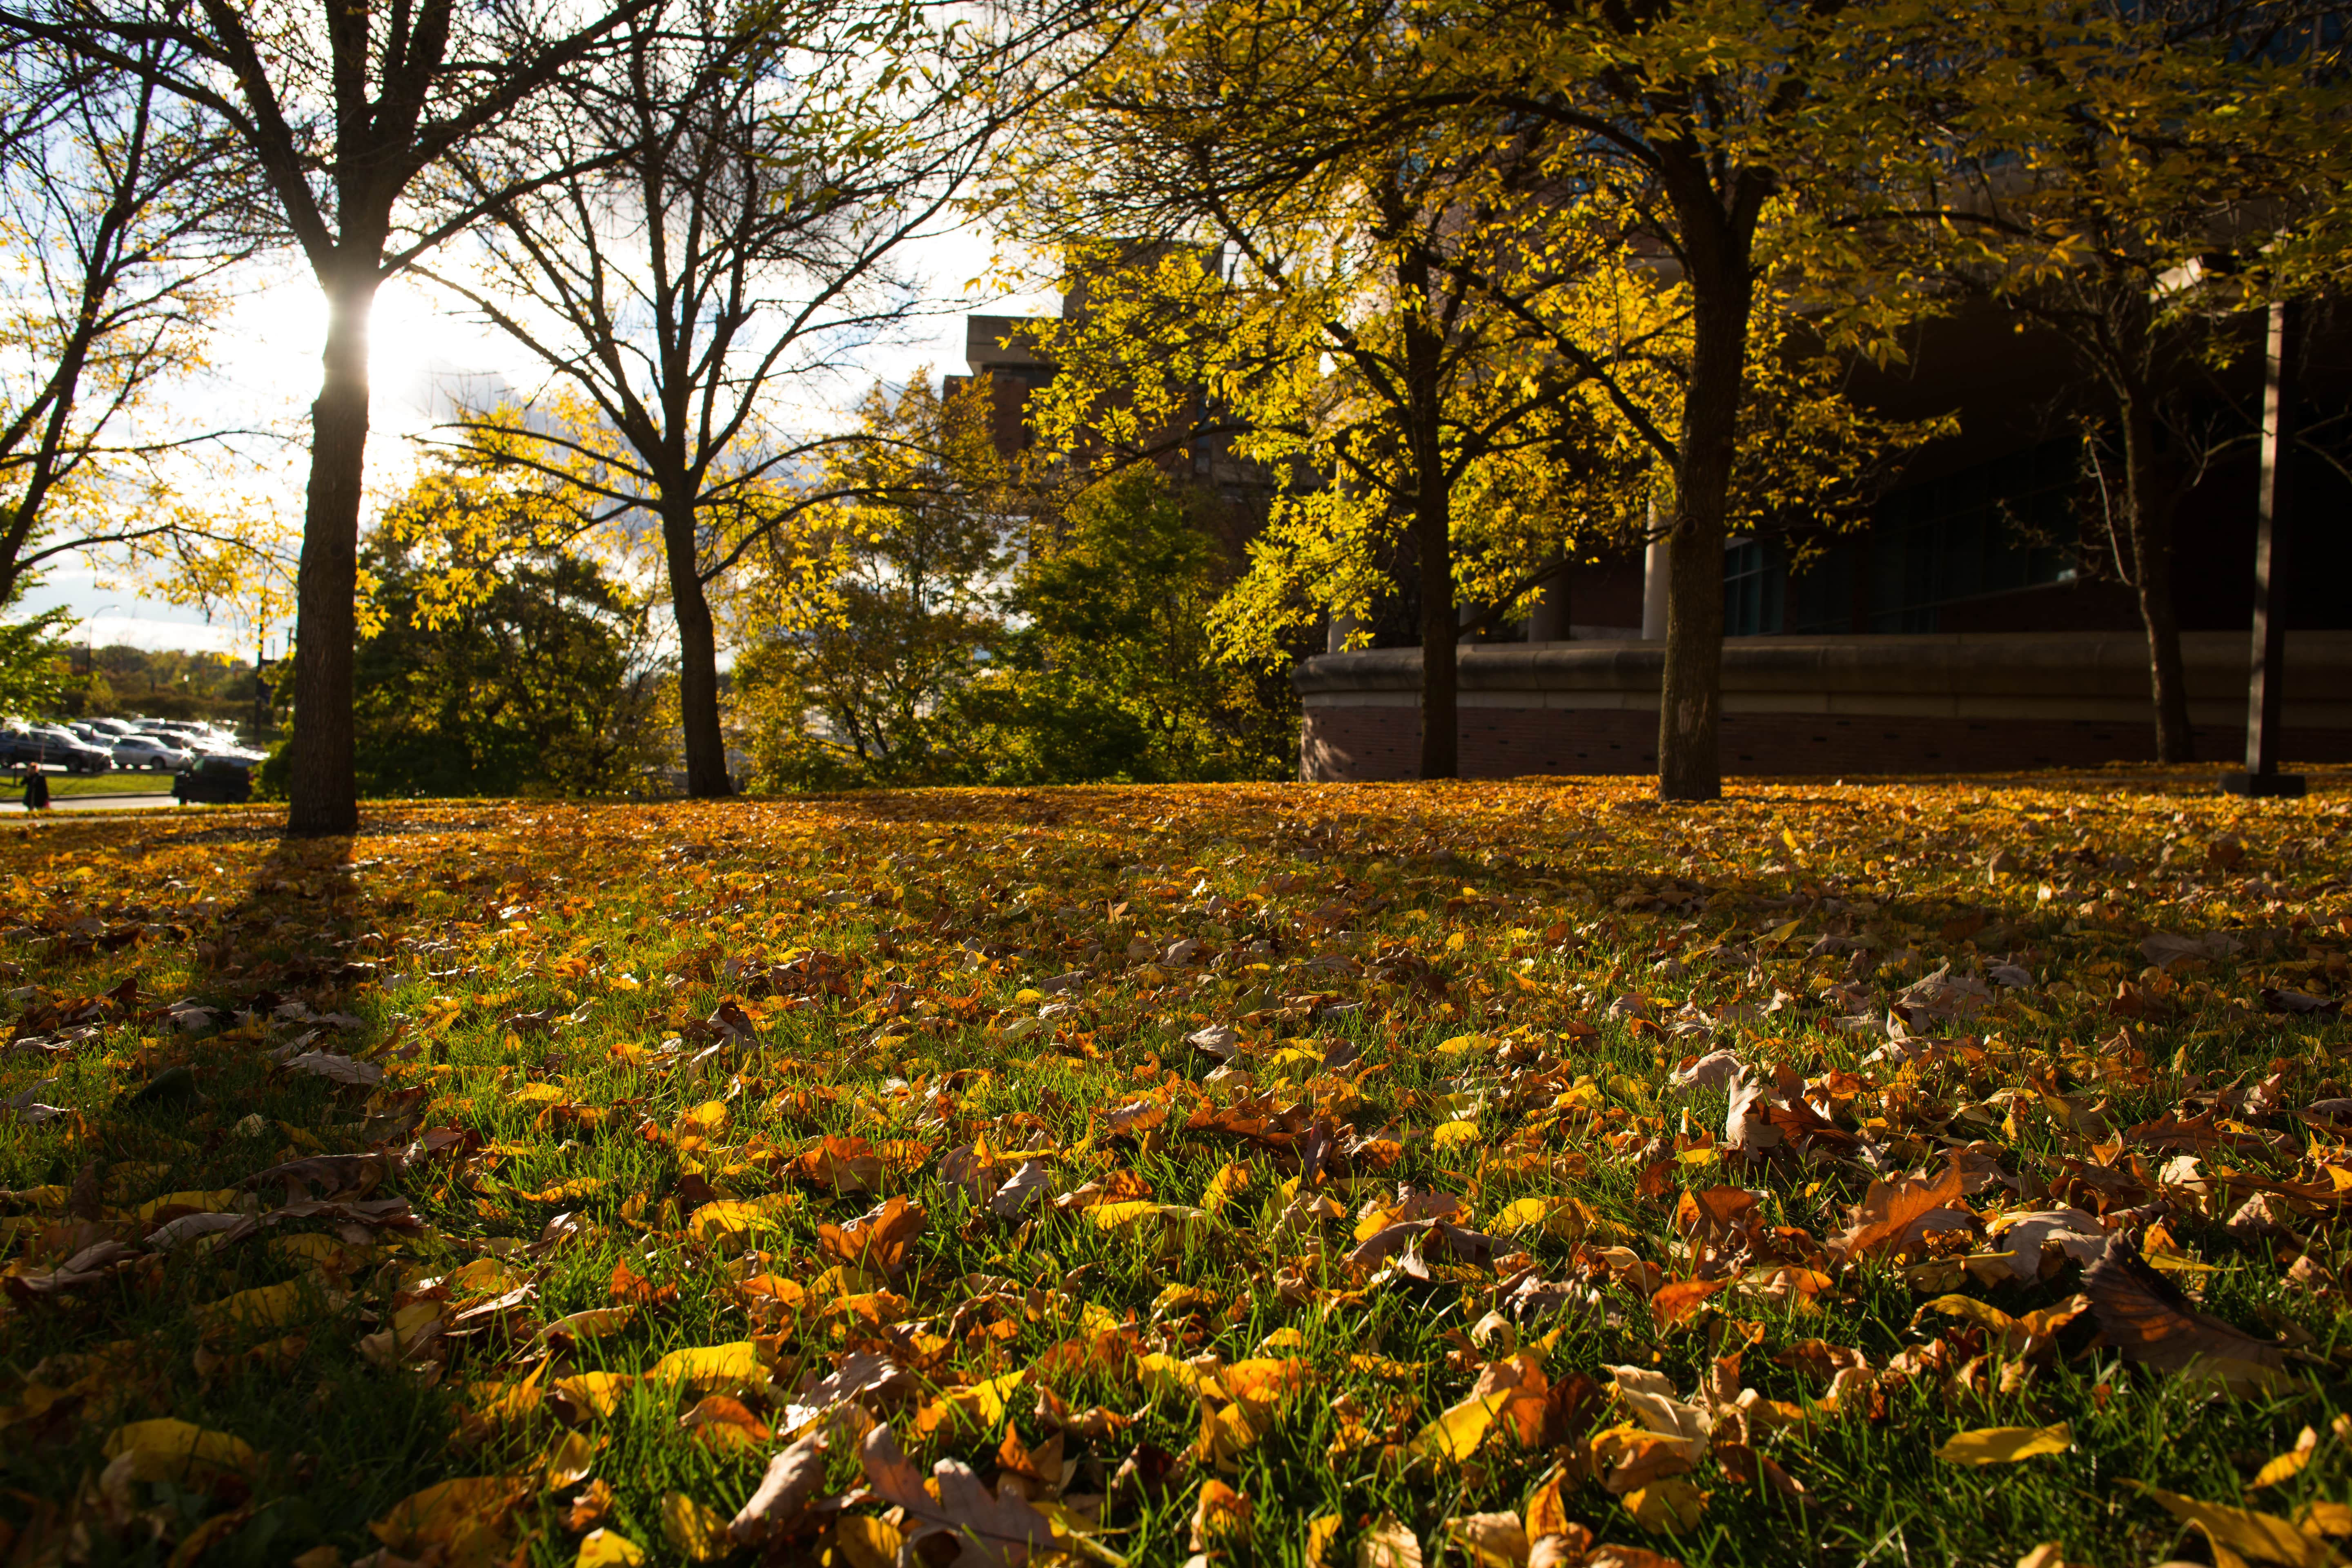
pixel 2144 1315
pixel 997 1530
pixel 876 1241
pixel 1894 1215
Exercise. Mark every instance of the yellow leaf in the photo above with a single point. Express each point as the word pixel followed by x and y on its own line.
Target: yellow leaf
pixel 483 1277
pixel 730 1223
pixel 165 1449
pixel 1458 1430
pixel 2246 1531
pixel 1382 1366
pixel 211 1202
pixel 1671 1506
pixel 568 1462
pixel 1162 1374
pixel 1228 1181
pixel 693 1530
pixel 979 1407
pixel 597 1392
pixel 1546 1510
pixel 608 1549
pixel 735 1362
pixel 268 1307
pixel 1118 1216
pixel 569 1192
pixel 592 1324
pixel 1227 1434
pixel 2286 1465
pixel 1388 1544
pixel 866 1541
pixel 1452 1134
pixel 2005 1445
pixel 1265 1379
pixel 467 1507
pixel 2325 1518
pixel 1321 1531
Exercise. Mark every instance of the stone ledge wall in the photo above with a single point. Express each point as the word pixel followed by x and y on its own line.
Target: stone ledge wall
pixel 1821 706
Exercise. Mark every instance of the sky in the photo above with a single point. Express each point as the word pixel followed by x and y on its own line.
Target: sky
pixel 265 368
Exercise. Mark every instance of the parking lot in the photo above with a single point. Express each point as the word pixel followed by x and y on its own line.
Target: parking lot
pixel 134 763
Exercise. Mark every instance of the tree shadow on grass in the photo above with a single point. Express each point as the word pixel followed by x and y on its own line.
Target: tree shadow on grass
pixel 183 1109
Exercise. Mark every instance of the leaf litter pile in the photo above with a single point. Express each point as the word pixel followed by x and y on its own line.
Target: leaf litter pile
pixel 1501 1174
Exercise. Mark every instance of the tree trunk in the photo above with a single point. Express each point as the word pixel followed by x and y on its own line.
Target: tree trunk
pixel 698 660
pixel 1433 529
pixel 2148 497
pixel 324 796
pixel 1690 696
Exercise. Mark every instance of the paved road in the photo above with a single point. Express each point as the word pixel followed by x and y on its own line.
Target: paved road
pixel 90 802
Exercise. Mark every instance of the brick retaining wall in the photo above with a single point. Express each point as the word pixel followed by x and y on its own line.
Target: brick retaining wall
pixel 1358 743
pixel 1594 710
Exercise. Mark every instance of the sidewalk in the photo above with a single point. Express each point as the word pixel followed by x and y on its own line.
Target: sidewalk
pixel 90 802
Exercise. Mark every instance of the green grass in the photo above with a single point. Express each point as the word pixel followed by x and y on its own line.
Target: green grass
pixel 1537 903
pixel 66 786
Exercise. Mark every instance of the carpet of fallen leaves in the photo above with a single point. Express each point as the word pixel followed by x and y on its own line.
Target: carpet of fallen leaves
pixel 1498 1174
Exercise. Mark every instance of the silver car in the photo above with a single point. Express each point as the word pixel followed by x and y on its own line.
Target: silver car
pixel 149 751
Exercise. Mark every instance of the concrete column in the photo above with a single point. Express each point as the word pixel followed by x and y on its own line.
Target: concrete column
pixel 1547 608
pixel 1653 584
pixel 1337 629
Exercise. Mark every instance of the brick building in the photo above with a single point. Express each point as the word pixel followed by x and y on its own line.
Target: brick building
pixel 1974 623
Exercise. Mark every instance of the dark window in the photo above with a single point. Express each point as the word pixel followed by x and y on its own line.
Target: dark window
pixel 1752 583
pixel 1991 529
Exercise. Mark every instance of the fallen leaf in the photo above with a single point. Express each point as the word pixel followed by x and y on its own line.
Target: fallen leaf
pixel 1893 1216
pixel 2005 1445
pixel 2243 1531
pixel 791 1479
pixel 1490 1540
pixel 1002 1530
pixel 1387 1544
pixel 2145 1316
pixel 695 1532
pixel 608 1549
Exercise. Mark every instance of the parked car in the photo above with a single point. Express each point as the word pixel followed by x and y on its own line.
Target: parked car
pixel 149 751
pixel 70 751
pixel 225 780
pixel 48 747
pixel 114 728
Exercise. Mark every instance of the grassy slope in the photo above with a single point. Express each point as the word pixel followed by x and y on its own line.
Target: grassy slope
pixel 1540 903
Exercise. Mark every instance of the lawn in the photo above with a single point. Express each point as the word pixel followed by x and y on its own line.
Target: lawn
pixel 65 785
pixel 1484 1173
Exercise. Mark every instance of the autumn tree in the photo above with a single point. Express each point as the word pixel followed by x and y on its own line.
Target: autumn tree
pixel 1111 669
pixel 750 183
pixel 121 214
pixel 1579 221
pixel 863 622
pixel 1295 308
pixel 351 114
pixel 498 659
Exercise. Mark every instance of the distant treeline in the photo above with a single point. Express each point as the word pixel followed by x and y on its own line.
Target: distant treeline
pixel 118 681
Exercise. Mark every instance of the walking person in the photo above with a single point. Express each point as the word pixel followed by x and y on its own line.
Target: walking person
pixel 36 788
